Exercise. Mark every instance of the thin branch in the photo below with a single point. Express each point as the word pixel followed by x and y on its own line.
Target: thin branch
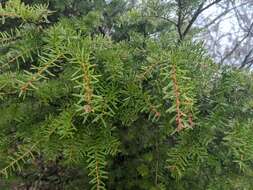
pixel 223 14
pixel 8 15
pixel 251 63
pixel 237 45
pixel 209 5
pixel 239 19
pixel 179 21
pixel 246 59
pixel 196 14
pixel 194 17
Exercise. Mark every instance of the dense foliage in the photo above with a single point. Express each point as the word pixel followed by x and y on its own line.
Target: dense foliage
pixel 105 95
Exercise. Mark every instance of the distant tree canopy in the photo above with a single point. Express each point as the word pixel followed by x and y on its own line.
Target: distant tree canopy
pixel 117 95
pixel 228 32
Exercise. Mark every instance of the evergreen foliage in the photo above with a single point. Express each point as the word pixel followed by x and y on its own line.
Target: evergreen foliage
pixel 108 98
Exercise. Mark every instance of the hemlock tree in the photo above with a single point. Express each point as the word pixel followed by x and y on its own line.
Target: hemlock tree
pixel 99 100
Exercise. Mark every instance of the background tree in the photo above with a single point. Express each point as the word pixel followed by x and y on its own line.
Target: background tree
pixel 228 32
pixel 116 95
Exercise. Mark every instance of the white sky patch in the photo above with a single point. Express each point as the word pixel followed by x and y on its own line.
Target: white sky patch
pixel 227 32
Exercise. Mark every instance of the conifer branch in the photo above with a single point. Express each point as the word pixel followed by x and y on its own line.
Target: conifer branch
pixel 88 91
pixel 21 157
pixel 15 161
pixel 39 74
pixel 179 90
pixel 97 175
pixel 179 122
pixel 105 125
pixel 17 9
pixel 148 71
pixel 96 165
pixel 8 37
pixel 20 55
pixel 85 80
pixel 9 15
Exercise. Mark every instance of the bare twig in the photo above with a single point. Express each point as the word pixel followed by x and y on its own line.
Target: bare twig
pixel 201 8
pixel 237 45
